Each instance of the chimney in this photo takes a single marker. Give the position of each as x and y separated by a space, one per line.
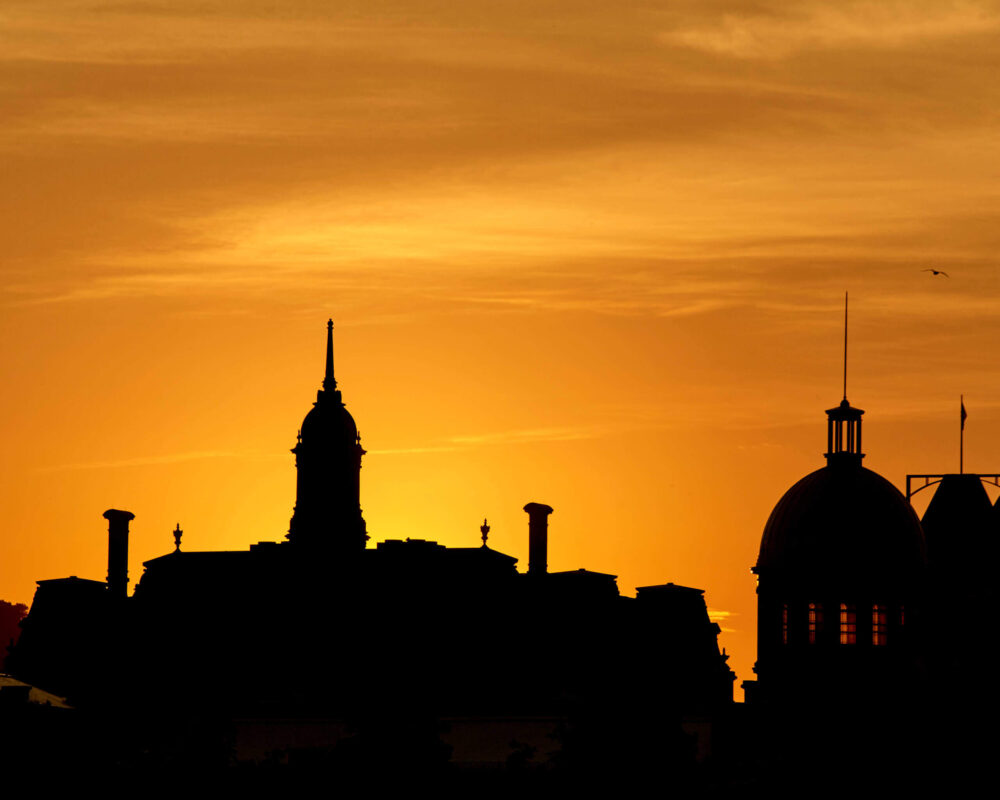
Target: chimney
538 537
118 551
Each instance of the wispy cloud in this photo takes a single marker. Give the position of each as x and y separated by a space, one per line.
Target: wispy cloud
470 441
394 451
532 435
146 461
784 29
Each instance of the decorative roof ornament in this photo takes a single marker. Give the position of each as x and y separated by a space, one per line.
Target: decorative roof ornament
329 382
485 530
843 427
177 538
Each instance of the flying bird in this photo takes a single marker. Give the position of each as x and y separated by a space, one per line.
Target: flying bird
936 272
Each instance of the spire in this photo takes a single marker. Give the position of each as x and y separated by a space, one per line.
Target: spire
328 455
961 434
845 346
329 382
843 426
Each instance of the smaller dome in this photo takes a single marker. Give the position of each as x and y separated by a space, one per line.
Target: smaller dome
328 420
843 522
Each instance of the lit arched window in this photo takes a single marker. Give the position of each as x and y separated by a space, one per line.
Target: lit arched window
815 621
784 624
879 624
848 624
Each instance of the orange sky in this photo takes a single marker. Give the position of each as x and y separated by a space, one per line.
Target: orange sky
580 253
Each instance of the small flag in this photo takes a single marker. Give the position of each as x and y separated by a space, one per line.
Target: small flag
964 415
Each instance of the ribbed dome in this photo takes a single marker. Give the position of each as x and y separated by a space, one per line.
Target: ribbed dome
843 521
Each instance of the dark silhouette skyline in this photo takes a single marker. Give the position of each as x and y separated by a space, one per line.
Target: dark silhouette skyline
367 644
656 241
320 652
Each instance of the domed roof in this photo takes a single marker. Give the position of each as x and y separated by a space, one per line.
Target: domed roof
843 521
329 419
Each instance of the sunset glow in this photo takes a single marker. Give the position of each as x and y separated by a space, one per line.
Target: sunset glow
586 254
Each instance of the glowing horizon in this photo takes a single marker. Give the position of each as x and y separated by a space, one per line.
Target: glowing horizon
585 256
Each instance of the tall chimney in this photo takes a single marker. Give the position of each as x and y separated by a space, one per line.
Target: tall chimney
118 551
538 537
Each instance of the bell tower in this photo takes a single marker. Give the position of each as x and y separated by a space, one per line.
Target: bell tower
328 453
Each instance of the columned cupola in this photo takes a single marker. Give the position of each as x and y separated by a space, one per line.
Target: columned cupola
839 583
843 435
328 462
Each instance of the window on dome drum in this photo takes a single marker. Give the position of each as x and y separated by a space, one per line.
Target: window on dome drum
784 624
902 616
848 624
815 621
879 624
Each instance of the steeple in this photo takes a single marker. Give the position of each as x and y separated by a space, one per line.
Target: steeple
328 462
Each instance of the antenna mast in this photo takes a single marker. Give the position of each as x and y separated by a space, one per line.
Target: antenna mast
845 345
961 434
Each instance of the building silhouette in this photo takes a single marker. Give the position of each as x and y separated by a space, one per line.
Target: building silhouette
327 516
874 658
872 654
406 647
841 578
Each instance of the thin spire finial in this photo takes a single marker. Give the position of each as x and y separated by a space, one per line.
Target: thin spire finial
329 382
845 345
961 434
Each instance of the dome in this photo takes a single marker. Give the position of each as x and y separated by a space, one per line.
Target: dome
329 419
843 521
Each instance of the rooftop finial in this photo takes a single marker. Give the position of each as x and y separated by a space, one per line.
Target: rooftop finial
845 345
843 426
329 382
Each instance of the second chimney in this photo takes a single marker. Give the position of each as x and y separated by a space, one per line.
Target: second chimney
538 537
118 551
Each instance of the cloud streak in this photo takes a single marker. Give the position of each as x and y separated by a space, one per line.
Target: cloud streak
720 617
150 461
783 30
